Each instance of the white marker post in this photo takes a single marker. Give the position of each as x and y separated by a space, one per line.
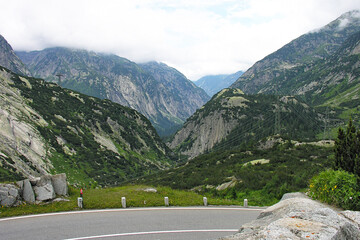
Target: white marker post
166 199
245 203
80 202
123 202
205 201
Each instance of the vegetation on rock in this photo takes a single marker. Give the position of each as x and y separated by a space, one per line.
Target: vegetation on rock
95 142
288 167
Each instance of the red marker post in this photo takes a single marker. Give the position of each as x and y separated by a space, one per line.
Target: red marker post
80 199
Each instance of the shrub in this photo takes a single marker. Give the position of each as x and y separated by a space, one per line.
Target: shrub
347 149
338 188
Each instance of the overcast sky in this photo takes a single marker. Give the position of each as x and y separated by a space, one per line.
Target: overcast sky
197 37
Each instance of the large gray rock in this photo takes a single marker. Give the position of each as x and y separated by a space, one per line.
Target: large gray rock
9 195
352 216
28 193
299 218
44 189
60 184
293 195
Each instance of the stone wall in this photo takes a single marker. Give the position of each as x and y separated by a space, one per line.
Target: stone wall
35 190
298 217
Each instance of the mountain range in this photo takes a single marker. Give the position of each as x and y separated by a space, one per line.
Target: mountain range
280 71
164 95
213 84
241 143
320 68
298 93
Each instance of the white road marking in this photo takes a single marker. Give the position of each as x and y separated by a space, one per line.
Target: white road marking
129 209
153 232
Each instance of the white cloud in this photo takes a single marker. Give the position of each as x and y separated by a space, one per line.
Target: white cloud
197 37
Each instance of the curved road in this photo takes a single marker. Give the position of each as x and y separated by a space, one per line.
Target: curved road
132 223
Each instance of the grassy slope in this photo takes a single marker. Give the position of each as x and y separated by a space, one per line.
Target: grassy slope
111 198
77 119
289 169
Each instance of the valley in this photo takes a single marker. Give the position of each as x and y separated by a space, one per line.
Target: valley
106 121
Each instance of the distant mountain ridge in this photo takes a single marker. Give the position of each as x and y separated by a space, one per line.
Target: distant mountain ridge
306 50
122 81
215 83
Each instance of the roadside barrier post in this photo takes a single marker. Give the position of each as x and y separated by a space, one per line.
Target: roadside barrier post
205 201
123 202
166 199
245 203
80 202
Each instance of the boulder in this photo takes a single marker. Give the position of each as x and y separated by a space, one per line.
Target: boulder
60 184
298 217
293 195
28 193
44 193
9 195
44 189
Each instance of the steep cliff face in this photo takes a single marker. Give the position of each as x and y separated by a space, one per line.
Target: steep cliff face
232 118
298 56
23 150
9 59
46 129
150 89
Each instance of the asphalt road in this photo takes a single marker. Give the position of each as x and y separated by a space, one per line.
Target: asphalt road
132 223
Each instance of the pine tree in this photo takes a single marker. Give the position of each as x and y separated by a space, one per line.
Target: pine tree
347 149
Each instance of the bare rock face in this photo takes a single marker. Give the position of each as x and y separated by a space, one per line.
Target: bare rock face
20 138
298 217
9 59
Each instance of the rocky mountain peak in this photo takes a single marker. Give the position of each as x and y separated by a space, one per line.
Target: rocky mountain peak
9 59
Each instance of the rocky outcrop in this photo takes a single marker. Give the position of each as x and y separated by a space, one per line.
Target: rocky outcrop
204 136
36 190
9 59
20 138
298 217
